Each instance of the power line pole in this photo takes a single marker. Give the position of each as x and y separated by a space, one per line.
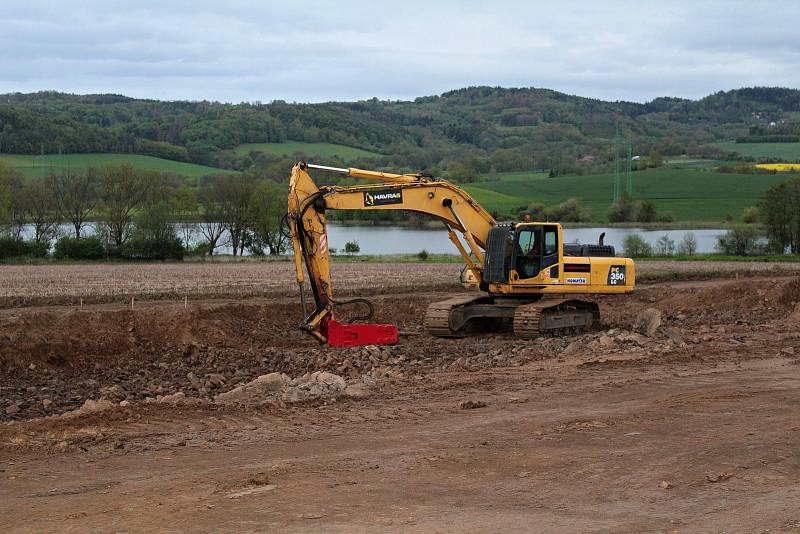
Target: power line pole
616 163
620 143
630 164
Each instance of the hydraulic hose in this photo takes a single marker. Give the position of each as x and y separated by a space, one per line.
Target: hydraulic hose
356 300
301 228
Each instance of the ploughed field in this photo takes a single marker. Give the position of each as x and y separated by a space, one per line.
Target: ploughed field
680 411
71 284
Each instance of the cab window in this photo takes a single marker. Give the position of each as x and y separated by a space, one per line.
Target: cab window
550 241
526 241
528 251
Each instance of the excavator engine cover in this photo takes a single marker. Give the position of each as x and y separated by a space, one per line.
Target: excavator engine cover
354 335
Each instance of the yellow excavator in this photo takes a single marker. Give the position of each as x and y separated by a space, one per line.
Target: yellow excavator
530 280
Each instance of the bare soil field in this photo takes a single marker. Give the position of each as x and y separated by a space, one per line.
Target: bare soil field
30 285
27 285
223 416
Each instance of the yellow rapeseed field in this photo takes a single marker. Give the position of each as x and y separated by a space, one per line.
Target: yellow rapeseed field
787 167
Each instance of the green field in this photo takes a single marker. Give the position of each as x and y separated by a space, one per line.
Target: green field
290 148
688 194
524 176
39 166
789 152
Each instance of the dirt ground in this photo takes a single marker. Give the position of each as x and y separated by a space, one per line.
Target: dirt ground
694 427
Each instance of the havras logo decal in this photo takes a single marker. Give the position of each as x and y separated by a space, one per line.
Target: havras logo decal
381 198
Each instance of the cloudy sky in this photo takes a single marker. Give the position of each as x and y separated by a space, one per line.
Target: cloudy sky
309 51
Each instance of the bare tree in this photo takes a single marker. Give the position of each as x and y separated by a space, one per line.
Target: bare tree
237 210
10 185
184 206
232 194
267 207
39 206
212 227
122 190
76 195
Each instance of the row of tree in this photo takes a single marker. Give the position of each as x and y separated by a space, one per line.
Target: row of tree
635 246
627 209
126 204
133 211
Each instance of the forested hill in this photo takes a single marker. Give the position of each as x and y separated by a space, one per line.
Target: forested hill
459 133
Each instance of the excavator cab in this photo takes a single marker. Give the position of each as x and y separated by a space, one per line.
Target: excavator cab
523 257
520 252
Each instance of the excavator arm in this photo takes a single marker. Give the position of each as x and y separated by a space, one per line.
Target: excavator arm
419 193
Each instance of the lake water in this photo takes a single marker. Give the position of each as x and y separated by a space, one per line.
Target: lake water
404 240
393 239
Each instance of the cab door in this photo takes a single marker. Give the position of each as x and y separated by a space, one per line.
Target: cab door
527 252
537 253
550 247
551 255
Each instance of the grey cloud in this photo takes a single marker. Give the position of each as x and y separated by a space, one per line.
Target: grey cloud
316 51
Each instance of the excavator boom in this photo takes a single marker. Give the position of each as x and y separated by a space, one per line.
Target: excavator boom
421 193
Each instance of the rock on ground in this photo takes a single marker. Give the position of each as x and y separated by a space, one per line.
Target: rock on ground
648 321
255 391
317 384
91 406
356 391
175 398
277 385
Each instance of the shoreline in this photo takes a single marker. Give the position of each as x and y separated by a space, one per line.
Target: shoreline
677 225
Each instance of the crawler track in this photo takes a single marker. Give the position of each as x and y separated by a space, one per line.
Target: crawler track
528 319
437 317
554 315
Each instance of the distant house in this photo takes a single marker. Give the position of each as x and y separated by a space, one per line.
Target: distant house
587 160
